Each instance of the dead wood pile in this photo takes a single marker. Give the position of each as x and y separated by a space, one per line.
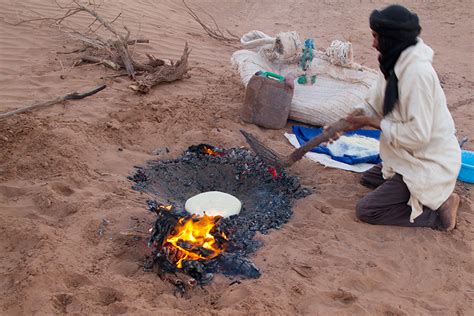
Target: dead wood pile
112 49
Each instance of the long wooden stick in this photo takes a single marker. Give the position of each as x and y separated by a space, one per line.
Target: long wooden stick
329 133
279 161
70 96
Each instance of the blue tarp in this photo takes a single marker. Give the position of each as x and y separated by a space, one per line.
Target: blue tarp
303 134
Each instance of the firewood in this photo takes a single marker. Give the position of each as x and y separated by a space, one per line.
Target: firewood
70 96
164 73
120 44
114 53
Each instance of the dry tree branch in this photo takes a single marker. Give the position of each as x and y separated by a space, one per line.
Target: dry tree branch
106 24
233 35
77 50
164 73
105 62
138 34
120 44
29 20
125 40
218 30
215 33
93 22
59 5
73 9
70 96
111 22
57 20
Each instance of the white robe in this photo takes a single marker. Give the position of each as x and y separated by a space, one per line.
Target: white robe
418 138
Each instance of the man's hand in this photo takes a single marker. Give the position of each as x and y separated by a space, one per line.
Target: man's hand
356 120
359 121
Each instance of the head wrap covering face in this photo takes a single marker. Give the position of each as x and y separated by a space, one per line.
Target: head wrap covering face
397 29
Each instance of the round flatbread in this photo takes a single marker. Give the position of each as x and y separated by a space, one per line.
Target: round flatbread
213 203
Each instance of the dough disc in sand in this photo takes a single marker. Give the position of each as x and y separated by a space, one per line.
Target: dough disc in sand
214 203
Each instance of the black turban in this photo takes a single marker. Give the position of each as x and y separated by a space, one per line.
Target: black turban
397 29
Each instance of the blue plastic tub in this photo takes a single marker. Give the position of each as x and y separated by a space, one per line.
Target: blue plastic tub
467 167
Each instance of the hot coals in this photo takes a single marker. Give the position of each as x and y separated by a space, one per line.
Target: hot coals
202 245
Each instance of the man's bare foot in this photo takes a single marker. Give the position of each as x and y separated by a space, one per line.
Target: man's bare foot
448 212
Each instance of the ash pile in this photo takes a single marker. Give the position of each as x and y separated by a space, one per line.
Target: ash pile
217 244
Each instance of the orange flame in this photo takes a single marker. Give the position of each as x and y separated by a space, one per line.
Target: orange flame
209 151
192 237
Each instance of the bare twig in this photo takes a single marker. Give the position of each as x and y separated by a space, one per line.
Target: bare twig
93 42
139 31
111 22
106 24
57 20
93 22
70 96
138 41
29 20
120 44
77 50
233 35
105 62
215 32
125 39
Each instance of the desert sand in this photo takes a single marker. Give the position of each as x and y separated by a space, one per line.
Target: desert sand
65 201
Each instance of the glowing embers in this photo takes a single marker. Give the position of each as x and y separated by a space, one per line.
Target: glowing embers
208 151
194 238
273 171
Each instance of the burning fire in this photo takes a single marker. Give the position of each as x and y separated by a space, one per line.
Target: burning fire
192 237
208 151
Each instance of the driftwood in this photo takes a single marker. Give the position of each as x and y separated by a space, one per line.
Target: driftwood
70 96
214 32
164 73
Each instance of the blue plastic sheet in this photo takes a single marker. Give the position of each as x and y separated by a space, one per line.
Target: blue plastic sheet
303 134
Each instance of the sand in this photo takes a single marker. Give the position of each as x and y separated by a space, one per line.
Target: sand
65 202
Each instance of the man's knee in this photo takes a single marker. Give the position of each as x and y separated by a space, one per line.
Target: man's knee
372 178
364 211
